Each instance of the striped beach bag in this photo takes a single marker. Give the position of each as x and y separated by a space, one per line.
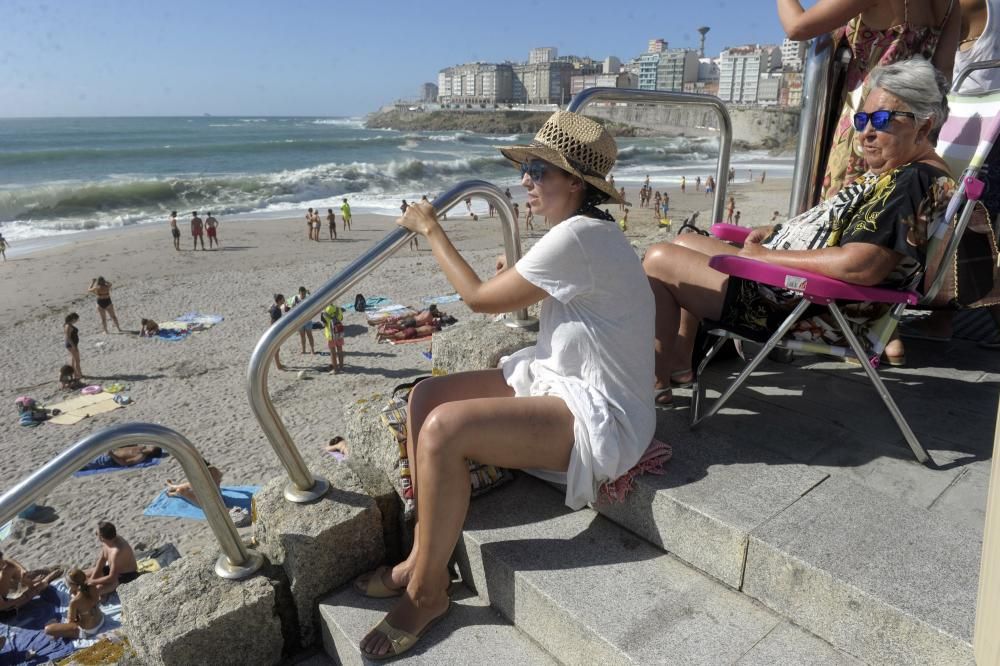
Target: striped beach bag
482 478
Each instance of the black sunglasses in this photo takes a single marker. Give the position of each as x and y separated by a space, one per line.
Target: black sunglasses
880 119
535 169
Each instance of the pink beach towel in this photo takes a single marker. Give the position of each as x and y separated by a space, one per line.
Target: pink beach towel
651 462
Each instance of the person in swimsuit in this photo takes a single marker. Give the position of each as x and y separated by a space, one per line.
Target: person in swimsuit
102 289
306 331
116 563
331 221
71 338
333 330
125 456
345 213
212 230
14 577
84 618
3 247
174 231
316 224
185 490
197 231
275 311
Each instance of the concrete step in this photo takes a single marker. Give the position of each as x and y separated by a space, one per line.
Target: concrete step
590 592
472 632
885 580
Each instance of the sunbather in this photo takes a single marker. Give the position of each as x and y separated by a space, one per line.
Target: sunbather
115 564
575 408
125 456
874 232
186 491
14 577
407 333
84 618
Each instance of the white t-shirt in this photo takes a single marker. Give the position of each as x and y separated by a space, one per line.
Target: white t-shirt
987 47
594 350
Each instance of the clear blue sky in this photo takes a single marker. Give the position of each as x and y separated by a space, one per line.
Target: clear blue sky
125 58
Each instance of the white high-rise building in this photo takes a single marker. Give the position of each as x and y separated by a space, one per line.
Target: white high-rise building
612 65
740 69
542 54
793 54
657 46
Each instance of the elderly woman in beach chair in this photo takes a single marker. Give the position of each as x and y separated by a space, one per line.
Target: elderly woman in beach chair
574 408
873 232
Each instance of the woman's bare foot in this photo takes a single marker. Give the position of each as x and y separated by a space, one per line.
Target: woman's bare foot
412 615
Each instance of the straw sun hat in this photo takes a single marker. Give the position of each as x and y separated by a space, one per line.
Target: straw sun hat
575 144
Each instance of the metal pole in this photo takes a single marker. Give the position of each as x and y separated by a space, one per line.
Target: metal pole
303 486
666 97
236 561
812 122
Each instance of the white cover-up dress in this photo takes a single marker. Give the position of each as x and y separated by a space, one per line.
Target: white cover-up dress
594 350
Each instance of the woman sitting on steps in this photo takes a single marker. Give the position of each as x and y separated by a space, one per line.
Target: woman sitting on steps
576 408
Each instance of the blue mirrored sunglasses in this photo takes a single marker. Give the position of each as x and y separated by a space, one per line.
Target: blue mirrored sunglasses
535 169
880 119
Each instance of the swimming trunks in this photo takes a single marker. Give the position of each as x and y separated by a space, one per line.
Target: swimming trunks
103 461
127 577
211 232
104 303
175 232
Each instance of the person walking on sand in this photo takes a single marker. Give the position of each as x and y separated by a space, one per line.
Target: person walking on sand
102 289
683 184
345 214
309 224
212 230
3 247
763 175
196 231
621 193
115 564
517 214
730 209
174 231
275 311
331 223
529 216
736 220
405 205
71 338
306 331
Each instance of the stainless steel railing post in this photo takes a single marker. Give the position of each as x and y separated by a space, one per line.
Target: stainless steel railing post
236 561
666 97
303 486
809 153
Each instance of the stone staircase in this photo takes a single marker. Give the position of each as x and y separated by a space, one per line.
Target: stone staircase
748 550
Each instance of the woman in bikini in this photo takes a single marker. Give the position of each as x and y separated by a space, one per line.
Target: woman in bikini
84 618
102 289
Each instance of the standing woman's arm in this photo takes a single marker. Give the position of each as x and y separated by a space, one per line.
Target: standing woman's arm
823 17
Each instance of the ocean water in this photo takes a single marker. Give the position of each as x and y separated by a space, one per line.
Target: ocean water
65 175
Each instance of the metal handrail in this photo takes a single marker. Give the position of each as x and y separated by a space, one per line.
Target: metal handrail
964 74
809 154
582 99
303 486
236 561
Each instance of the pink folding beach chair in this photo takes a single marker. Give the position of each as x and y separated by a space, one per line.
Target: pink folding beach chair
966 139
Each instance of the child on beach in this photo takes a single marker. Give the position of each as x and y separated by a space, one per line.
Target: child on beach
148 328
67 378
306 330
71 338
333 331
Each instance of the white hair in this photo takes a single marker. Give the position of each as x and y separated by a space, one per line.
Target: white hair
918 85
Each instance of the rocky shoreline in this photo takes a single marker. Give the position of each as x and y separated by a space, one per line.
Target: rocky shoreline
482 122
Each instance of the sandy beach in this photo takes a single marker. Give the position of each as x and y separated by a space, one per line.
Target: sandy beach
197 386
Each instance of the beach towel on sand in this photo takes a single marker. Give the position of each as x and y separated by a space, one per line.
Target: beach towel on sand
178 507
441 300
172 334
370 301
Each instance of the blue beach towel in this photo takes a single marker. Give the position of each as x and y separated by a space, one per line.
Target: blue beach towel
104 464
441 300
178 507
370 301
172 335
